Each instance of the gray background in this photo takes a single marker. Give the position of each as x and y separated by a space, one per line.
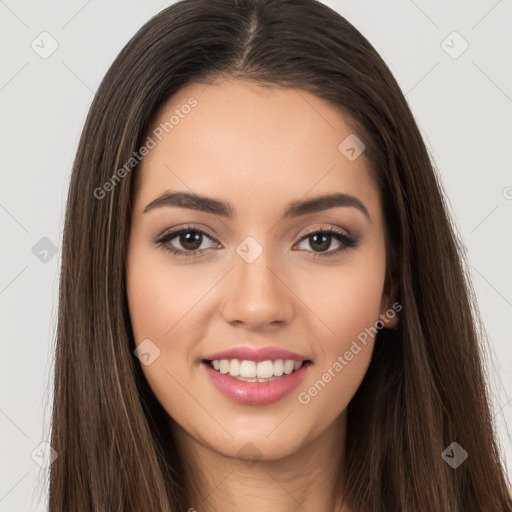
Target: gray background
462 105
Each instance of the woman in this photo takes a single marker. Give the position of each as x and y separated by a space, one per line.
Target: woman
263 304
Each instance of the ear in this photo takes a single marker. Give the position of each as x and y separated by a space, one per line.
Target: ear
389 313
389 308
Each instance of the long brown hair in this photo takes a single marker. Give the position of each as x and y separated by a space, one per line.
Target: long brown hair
425 387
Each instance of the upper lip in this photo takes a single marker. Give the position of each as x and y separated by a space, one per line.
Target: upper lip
256 354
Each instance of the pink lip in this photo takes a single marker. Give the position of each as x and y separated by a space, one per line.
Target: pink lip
255 393
260 354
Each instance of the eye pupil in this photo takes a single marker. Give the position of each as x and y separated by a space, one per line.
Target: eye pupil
324 238
185 239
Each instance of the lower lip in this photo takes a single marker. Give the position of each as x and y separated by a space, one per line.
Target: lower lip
255 393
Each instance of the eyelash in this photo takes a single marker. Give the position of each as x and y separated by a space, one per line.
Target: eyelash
347 241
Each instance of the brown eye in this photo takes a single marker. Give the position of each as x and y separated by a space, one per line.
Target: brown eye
188 240
321 239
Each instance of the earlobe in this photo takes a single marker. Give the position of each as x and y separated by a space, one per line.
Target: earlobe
389 309
389 313
389 317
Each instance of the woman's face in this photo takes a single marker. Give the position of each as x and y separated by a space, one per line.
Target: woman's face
255 269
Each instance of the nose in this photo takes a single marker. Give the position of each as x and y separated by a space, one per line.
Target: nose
258 296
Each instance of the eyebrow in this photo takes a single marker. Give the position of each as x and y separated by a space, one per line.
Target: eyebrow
293 209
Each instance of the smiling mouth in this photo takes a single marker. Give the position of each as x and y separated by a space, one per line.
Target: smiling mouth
252 371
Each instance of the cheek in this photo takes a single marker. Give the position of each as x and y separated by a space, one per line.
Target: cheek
148 296
354 307
349 305
348 300
159 295
161 304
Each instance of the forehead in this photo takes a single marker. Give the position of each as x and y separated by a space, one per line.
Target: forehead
252 145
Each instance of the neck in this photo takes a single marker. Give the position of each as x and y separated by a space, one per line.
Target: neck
308 479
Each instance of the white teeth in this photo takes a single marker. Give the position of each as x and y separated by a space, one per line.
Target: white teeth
234 367
224 366
256 370
288 367
265 370
278 367
247 369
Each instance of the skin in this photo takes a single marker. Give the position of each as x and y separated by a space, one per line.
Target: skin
258 149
